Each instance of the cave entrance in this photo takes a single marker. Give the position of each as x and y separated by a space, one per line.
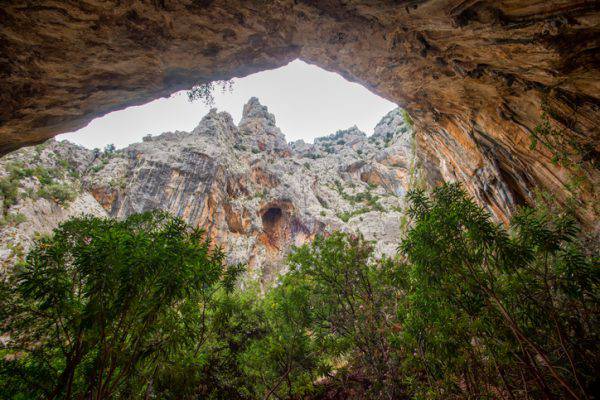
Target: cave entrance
271 218
306 101
273 226
275 219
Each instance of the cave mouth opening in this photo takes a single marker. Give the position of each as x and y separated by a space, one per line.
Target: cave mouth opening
271 219
297 94
274 221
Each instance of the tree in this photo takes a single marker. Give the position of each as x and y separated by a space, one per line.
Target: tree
329 317
491 312
101 305
109 149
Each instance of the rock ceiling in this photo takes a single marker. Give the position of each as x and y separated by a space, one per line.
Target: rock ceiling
474 75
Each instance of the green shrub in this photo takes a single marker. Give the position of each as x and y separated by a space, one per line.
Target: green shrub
313 156
60 193
469 309
513 301
45 175
322 314
17 170
346 215
110 307
407 119
109 150
12 219
9 190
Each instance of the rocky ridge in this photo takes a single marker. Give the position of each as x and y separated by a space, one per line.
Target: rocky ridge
254 193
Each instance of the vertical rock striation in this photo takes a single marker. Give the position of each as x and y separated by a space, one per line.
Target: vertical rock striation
475 75
255 194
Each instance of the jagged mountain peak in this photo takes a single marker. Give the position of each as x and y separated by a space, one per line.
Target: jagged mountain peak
253 109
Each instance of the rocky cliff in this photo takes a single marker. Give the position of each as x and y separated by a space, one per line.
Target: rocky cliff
477 76
254 193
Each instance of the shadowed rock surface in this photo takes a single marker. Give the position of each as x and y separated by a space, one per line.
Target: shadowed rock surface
475 75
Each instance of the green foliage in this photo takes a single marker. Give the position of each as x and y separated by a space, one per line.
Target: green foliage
325 318
103 308
328 148
370 201
523 304
97 168
407 119
214 368
61 193
12 219
468 310
9 185
565 150
312 156
9 191
346 215
109 150
204 91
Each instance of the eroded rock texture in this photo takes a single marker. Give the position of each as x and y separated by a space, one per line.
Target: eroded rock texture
255 194
475 75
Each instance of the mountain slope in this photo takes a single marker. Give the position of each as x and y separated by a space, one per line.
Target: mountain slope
254 193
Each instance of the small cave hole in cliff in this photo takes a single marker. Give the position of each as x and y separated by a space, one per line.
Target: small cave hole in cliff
273 221
271 218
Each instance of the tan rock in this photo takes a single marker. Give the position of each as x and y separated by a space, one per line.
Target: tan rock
474 75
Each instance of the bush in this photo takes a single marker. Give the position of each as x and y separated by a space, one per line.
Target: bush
109 150
107 307
519 307
12 219
407 119
468 310
9 190
61 193
324 320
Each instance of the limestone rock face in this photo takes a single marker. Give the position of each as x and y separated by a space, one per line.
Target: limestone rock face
46 190
255 195
475 76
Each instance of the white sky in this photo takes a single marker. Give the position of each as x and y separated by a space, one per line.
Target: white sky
306 100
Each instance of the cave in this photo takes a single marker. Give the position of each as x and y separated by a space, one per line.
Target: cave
466 72
274 226
271 218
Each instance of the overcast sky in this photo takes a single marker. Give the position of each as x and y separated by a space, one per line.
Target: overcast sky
307 102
